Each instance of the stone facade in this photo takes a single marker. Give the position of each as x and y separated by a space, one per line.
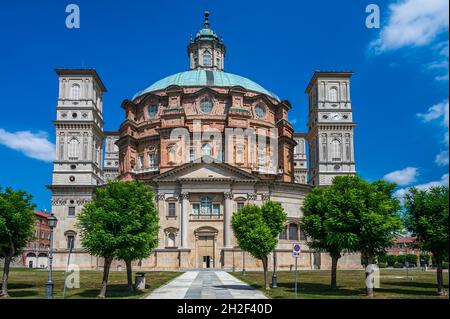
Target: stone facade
207 142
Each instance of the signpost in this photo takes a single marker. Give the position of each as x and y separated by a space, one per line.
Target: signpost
296 250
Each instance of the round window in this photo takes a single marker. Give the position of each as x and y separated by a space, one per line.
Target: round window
152 110
260 110
206 105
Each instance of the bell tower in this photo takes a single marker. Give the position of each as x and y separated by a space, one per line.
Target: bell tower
206 51
78 166
330 126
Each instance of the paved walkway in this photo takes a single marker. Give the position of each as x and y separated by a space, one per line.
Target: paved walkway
206 284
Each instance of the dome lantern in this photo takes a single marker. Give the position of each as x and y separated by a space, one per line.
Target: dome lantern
206 50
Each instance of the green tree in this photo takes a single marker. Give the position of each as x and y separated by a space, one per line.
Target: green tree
257 229
376 220
353 215
427 218
16 227
136 240
111 226
325 212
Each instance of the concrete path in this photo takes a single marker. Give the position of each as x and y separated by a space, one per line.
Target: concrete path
206 284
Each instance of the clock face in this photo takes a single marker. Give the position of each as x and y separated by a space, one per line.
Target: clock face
335 116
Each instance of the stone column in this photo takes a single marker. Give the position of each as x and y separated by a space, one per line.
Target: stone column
227 231
184 197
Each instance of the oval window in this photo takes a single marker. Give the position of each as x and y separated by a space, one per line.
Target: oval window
260 111
206 105
152 110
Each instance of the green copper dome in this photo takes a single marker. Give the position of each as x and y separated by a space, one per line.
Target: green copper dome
211 78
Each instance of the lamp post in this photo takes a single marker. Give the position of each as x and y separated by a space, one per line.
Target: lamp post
52 221
274 273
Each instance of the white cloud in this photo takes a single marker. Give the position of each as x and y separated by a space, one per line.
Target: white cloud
412 23
402 177
442 158
36 146
442 182
437 111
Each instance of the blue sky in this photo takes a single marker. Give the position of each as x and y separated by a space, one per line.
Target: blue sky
399 89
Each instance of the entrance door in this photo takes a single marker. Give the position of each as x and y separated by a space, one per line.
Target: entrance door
30 264
206 251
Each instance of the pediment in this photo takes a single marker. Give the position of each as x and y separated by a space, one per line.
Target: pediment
205 171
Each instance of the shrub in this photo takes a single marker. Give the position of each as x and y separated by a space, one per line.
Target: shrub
401 259
412 260
382 265
391 260
382 258
398 265
424 259
445 265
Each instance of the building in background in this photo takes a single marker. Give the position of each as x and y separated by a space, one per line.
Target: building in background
404 246
201 184
35 255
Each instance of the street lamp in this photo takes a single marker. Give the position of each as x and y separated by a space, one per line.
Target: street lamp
52 221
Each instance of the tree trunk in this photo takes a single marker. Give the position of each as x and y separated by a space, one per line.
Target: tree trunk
4 292
129 275
106 268
266 273
369 288
440 280
334 262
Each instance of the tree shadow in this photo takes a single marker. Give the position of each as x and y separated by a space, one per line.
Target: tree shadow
18 286
236 287
412 283
320 289
22 293
112 291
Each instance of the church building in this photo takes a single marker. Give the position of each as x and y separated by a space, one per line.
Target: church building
208 142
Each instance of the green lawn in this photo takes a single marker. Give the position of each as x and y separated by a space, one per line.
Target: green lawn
29 283
316 284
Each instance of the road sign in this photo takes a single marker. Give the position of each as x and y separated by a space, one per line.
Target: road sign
296 250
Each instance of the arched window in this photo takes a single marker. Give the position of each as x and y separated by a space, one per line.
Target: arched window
206 105
171 240
336 150
206 149
207 60
73 148
293 231
206 205
75 94
283 234
334 94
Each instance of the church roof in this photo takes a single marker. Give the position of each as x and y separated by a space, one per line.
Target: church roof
212 78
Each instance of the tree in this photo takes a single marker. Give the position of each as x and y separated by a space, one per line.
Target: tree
140 235
391 260
376 220
111 225
257 229
427 218
325 212
16 227
352 215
